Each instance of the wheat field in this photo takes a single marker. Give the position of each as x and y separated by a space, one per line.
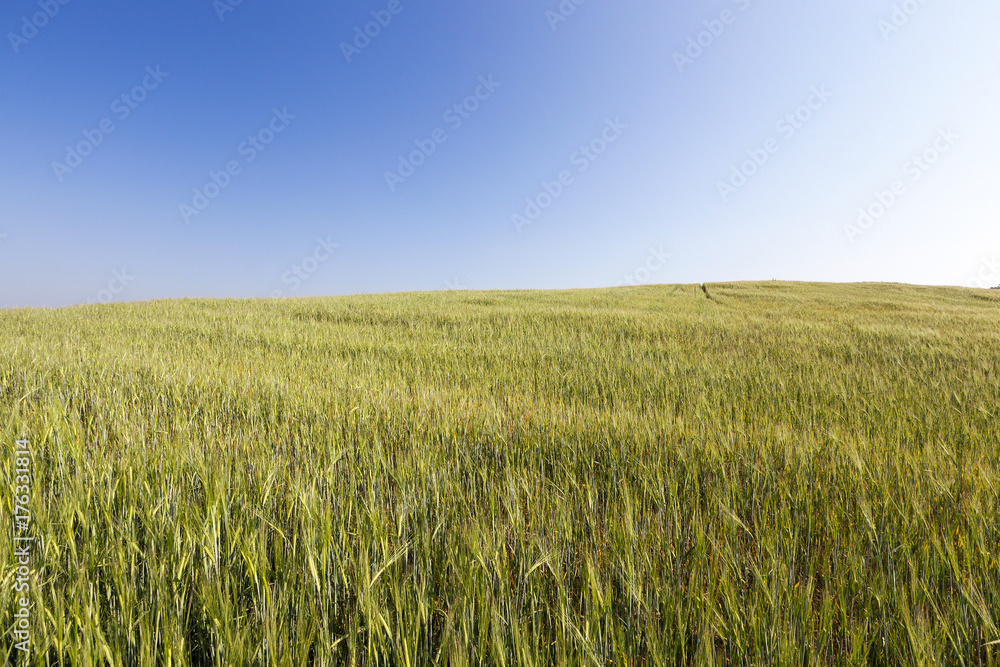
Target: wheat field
755 474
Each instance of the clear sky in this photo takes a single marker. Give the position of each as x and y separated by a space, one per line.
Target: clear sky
250 149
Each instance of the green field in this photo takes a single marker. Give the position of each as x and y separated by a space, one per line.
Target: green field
780 474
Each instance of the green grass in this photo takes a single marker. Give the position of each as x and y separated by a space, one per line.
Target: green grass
782 474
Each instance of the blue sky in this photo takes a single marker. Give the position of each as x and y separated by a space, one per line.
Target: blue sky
263 149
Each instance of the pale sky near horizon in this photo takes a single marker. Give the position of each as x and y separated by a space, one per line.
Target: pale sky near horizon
253 149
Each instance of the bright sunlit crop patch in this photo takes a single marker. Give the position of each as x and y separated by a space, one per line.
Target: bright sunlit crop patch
778 474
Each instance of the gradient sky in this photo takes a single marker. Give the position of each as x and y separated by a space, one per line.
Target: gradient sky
900 80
